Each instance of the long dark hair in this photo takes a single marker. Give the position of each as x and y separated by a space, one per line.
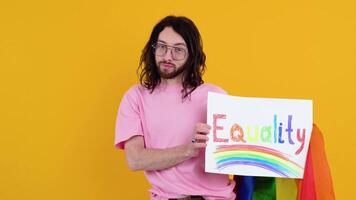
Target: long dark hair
194 66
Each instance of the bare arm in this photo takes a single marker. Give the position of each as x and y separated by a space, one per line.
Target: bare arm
141 158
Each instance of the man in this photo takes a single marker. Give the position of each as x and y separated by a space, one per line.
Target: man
161 123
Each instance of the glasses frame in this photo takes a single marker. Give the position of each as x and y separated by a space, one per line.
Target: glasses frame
154 46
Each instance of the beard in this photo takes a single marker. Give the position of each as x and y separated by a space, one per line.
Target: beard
169 74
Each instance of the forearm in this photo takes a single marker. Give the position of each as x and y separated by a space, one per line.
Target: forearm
159 159
141 158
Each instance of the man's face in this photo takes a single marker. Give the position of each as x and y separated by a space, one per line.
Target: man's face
171 54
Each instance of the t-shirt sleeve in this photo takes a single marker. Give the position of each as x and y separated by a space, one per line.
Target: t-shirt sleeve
128 121
217 89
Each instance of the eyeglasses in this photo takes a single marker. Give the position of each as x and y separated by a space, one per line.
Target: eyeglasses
178 53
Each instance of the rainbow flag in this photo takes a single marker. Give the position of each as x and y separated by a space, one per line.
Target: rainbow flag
315 185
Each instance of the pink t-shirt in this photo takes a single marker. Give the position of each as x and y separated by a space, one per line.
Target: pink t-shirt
164 120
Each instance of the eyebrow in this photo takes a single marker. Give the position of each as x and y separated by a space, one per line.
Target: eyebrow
176 44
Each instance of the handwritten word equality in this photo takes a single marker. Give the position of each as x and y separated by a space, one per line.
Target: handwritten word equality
263 134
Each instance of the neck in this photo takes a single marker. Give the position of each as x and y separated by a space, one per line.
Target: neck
172 81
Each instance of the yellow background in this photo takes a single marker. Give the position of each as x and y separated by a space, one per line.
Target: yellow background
64 66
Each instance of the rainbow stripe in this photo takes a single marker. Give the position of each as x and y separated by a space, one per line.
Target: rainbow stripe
258 156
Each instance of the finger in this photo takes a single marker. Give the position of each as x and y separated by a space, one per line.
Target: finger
199 145
205 129
200 137
203 125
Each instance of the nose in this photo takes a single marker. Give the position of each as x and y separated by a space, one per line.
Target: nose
168 55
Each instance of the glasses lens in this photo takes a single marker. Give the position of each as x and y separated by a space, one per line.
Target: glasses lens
178 53
161 49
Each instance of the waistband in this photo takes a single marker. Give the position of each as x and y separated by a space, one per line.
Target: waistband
190 198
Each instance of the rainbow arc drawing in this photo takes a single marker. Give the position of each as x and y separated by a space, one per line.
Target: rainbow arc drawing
258 156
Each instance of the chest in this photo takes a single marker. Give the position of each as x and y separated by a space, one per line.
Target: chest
169 121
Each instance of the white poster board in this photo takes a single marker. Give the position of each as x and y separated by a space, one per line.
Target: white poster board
258 136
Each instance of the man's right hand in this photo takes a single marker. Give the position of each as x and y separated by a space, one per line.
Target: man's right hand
200 138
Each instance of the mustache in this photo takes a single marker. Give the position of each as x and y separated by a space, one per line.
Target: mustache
165 62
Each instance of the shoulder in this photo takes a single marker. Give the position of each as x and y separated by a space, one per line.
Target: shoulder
134 93
209 87
135 90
